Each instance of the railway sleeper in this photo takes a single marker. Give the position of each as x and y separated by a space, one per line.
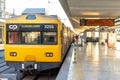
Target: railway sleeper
4 68
2 64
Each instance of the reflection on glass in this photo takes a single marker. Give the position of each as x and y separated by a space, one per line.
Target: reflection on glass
13 37
95 52
49 37
30 37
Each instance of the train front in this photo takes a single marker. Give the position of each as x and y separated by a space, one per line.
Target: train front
32 42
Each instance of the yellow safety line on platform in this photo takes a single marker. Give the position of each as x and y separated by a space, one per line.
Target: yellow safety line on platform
74 61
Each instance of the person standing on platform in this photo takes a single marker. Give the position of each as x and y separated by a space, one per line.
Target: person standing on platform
76 37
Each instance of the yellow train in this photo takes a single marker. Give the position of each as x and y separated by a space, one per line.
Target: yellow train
35 41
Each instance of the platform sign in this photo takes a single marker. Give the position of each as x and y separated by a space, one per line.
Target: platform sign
98 22
82 22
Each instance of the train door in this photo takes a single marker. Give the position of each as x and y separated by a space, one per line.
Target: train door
62 41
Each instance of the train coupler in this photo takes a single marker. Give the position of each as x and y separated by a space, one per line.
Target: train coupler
29 66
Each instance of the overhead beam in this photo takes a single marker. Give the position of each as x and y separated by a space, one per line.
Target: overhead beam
65 7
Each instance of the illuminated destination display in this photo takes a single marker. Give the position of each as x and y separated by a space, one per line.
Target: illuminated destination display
97 22
29 27
49 27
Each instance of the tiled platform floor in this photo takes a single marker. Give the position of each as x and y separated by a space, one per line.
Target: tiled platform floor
95 62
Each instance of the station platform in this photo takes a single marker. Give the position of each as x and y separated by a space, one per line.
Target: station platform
93 62
1 46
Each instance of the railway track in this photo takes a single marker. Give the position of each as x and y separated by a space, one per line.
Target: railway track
11 74
5 71
30 77
3 66
45 75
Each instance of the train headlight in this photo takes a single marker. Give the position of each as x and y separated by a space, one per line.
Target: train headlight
49 54
13 54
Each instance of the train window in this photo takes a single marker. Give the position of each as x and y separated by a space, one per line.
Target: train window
13 37
49 37
30 37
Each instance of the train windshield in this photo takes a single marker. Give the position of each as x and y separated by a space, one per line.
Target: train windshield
49 37
31 35
13 37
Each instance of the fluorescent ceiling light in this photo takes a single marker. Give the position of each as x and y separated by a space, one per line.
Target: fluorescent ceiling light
75 20
90 13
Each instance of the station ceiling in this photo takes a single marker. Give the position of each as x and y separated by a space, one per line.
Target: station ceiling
90 9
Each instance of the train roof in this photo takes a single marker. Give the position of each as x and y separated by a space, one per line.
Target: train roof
38 19
34 11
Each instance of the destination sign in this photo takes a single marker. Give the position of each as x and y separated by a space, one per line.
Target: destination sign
31 27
